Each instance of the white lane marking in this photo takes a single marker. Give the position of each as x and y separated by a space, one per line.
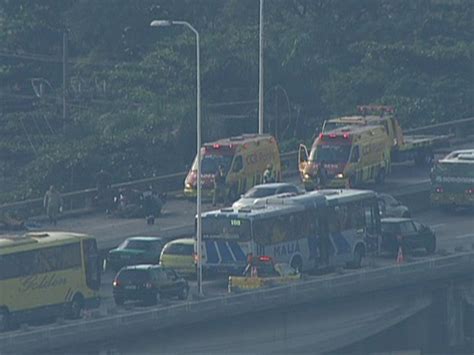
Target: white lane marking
437 226
465 236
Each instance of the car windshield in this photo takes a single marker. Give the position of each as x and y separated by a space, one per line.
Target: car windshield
261 191
133 276
390 227
210 163
331 154
135 244
179 249
332 125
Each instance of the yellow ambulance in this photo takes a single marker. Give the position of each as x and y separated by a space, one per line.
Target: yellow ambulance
352 155
244 159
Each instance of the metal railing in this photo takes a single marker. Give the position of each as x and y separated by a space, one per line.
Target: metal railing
106 326
82 200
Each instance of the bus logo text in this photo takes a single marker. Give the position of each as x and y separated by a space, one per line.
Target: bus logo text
38 282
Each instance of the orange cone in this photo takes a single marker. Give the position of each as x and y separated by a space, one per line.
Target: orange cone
400 258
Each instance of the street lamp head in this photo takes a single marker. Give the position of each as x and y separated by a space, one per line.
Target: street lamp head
161 23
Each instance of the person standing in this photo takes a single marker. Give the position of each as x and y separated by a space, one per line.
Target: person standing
219 186
53 204
268 175
322 175
104 190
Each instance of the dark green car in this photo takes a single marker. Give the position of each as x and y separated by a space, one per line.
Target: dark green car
134 251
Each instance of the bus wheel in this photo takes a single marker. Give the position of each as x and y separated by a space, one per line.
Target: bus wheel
297 264
75 307
357 259
4 320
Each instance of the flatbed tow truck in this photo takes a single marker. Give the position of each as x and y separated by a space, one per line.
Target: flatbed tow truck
419 148
262 272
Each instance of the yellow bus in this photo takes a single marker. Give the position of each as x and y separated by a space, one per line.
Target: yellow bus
46 275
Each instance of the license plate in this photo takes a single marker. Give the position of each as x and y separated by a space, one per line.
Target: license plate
130 287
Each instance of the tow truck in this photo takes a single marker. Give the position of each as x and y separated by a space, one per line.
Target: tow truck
419 148
262 272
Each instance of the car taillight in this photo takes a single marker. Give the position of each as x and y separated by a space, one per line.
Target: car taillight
148 285
470 191
439 190
265 258
116 283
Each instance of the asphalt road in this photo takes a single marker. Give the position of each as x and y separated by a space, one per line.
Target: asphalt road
178 214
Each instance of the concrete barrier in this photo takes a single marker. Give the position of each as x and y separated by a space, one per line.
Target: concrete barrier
364 281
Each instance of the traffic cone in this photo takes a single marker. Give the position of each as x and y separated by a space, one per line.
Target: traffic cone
400 258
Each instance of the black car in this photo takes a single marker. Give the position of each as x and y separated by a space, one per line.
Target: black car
148 283
134 251
408 234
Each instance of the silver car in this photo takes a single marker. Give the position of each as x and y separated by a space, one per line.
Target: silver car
259 192
389 206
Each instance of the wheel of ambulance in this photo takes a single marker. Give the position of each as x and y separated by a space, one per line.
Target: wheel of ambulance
380 179
352 181
119 301
4 320
74 309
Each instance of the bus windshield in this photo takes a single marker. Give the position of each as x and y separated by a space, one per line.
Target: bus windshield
331 154
332 125
226 227
210 163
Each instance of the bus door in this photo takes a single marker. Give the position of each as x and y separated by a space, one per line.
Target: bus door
343 234
371 233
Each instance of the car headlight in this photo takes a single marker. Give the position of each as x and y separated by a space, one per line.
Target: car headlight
307 176
189 186
340 176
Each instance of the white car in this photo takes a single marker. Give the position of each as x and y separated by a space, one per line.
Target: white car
258 192
389 206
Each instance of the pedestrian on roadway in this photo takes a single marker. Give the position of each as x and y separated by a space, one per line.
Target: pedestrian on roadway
219 186
53 203
268 175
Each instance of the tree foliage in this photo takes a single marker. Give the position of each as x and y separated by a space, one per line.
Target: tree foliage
131 88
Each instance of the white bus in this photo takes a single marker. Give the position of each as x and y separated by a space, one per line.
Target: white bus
317 229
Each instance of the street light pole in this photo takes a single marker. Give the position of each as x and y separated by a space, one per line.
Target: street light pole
165 23
260 66
65 58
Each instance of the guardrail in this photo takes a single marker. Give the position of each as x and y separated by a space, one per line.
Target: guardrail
102 327
81 201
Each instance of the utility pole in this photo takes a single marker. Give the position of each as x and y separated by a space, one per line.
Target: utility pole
260 81
65 57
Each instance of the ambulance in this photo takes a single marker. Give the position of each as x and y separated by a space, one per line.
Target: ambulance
352 155
244 159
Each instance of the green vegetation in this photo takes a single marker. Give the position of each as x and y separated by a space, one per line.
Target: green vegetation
131 88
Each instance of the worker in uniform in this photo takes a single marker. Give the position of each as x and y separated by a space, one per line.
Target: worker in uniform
268 175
